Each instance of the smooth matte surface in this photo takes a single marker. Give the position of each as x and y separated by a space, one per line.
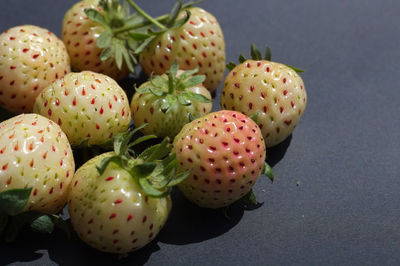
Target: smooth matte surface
335 199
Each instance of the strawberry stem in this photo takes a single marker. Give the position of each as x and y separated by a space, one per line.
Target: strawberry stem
140 25
146 16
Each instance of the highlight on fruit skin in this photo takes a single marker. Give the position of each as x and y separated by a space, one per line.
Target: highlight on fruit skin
90 107
225 152
169 101
274 91
35 153
119 201
32 58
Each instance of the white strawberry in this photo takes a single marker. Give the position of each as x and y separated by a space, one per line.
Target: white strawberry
35 153
118 203
31 59
89 107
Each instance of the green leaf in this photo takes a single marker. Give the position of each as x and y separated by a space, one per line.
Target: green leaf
230 66
255 53
182 100
3 221
42 224
143 170
267 54
242 58
194 81
13 201
196 97
267 170
96 16
105 39
106 161
106 53
298 70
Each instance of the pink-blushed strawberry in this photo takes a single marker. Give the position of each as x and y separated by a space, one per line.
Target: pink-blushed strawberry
35 153
90 107
197 43
225 152
167 102
119 203
273 90
31 59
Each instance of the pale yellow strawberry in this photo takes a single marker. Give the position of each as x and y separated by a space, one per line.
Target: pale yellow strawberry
31 58
35 153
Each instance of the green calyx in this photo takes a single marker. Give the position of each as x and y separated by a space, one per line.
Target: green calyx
127 34
155 170
174 88
13 219
255 54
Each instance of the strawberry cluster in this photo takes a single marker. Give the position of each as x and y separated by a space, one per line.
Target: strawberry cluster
119 199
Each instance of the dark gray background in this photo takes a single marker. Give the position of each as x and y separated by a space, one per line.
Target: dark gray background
335 199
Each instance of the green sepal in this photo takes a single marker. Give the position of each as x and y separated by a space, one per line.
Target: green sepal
142 139
188 73
178 178
267 170
118 47
106 161
174 13
230 66
197 97
179 23
174 69
298 70
182 100
191 3
61 224
42 224
250 202
156 152
267 53
106 53
104 39
255 53
191 117
13 201
143 170
144 44
150 190
96 16
254 117
195 80
242 58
